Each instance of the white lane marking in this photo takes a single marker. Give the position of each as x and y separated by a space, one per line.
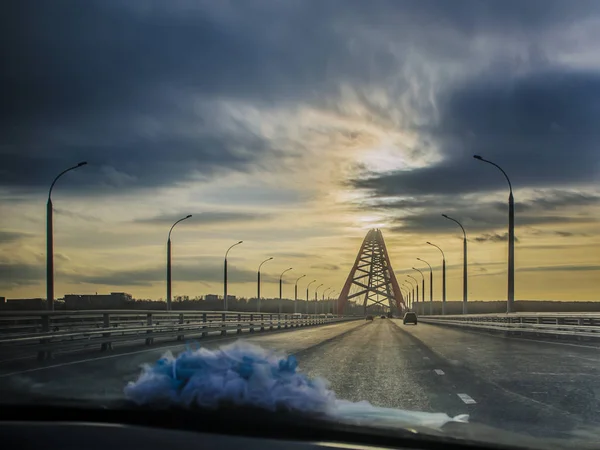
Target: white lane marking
439 371
466 399
426 357
561 374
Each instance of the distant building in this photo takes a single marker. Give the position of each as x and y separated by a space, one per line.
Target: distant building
215 297
23 304
95 301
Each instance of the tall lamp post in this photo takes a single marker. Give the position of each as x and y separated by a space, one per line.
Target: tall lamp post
50 241
307 299
280 287
333 301
317 298
324 305
422 290
169 261
296 294
415 297
258 282
510 302
407 295
443 277
225 276
430 286
464 261
409 289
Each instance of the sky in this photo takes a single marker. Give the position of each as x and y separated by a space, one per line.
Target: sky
296 126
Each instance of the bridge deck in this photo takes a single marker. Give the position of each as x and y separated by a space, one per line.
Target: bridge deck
535 387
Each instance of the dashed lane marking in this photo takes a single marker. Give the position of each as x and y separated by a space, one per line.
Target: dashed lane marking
439 371
466 399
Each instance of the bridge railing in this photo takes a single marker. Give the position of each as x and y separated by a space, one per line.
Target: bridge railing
580 325
46 331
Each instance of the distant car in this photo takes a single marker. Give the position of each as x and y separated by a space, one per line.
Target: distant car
383 317
369 317
410 317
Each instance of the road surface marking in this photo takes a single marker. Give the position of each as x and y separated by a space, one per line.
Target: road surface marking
439 371
426 357
466 399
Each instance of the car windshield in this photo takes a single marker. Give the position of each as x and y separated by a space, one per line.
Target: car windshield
291 184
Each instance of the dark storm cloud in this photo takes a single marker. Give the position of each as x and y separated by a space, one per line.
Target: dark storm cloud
208 217
559 200
20 274
493 237
114 82
477 221
206 273
12 236
541 128
300 255
569 268
78 77
325 267
423 214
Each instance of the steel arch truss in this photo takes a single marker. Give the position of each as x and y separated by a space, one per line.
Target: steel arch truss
372 277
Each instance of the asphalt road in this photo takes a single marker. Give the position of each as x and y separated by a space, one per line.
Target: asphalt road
536 388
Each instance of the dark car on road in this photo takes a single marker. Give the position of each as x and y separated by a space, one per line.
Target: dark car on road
369 317
410 317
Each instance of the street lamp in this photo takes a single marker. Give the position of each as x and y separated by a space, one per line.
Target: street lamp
169 262
333 300
258 282
464 261
430 286
317 298
296 294
280 283
412 293
323 307
50 241
407 295
410 289
415 298
422 290
510 302
225 276
443 277
307 302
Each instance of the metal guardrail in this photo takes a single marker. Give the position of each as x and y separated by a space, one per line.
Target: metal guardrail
43 332
578 325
